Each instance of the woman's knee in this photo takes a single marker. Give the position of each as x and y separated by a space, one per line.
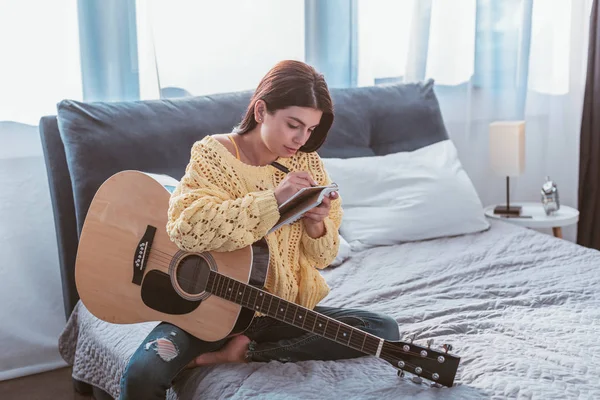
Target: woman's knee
385 327
391 328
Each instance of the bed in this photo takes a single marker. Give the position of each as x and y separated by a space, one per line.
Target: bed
519 307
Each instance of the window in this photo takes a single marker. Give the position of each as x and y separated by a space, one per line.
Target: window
40 58
217 46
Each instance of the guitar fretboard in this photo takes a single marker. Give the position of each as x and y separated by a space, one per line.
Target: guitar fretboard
293 314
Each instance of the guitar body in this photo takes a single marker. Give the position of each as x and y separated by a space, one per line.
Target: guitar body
129 271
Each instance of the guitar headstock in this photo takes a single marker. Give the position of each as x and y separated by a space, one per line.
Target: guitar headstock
438 366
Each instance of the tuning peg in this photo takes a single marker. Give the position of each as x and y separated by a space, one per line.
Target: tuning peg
412 337
429 343
447 347
401 373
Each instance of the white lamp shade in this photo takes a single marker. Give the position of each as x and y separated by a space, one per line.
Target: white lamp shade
507 147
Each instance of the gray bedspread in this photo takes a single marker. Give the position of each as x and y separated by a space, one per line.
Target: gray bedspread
521 308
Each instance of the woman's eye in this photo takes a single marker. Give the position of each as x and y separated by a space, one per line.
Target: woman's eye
292 126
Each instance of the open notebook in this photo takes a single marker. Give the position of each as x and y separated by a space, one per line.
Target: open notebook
305 199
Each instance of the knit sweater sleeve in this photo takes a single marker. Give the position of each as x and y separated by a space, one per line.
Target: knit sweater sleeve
322 251
203 216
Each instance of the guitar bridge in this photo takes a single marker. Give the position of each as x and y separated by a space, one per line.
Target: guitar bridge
140 257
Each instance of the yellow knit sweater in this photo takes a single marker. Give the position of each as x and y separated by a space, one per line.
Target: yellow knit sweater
223 204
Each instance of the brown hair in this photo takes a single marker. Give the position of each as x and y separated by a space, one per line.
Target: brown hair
293 83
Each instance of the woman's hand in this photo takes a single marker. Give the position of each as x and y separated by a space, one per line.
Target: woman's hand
313 219
291 184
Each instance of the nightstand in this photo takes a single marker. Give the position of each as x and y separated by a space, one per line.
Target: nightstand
533 216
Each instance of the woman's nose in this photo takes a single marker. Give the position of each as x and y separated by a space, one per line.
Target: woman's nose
302 138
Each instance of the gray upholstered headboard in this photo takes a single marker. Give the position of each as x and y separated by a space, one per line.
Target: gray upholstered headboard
88 142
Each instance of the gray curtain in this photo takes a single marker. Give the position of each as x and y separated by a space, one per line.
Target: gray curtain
588 232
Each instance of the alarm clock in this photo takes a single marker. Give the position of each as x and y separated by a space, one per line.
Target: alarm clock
550 199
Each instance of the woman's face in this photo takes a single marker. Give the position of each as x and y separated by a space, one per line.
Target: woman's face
288 129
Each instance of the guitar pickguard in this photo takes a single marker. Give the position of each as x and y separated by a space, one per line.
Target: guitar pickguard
158 293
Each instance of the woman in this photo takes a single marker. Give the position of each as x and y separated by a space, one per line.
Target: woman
228 199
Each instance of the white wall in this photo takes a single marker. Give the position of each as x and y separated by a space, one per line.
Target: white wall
30 290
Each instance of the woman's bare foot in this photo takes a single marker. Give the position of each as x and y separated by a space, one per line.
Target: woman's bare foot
233 352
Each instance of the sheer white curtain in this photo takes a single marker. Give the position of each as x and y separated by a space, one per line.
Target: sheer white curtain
39 67
491 60
198 48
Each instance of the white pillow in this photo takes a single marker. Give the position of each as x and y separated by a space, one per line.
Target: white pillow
406 196
344 252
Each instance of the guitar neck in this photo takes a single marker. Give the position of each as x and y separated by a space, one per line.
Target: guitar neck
293 314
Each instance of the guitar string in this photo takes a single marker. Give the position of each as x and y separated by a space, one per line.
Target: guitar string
163 259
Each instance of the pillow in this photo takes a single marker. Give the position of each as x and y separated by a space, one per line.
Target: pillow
167 181
406 196
343 254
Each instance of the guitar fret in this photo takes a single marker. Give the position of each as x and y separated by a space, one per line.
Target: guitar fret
356 339
234 291
222 285
233 295
269 312
230 290
373 345
253 297
362 347
328 334
249 297
244 296
215 284
217 291
368 345
260 294
240 294
224 288
286 310
333 329
295 312
321 319
304 317
293 308
314 324
308 319
346 333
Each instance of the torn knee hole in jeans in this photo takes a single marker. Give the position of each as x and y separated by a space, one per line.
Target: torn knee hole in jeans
251 348
165 348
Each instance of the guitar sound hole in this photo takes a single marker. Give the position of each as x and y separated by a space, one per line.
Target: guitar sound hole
192 274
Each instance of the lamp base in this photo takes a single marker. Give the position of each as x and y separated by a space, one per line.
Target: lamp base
510 210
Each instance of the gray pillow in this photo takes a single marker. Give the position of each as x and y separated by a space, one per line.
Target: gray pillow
156 136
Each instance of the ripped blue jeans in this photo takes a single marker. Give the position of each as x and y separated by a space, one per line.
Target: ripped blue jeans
167 350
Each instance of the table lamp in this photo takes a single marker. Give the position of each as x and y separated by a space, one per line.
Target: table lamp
507 157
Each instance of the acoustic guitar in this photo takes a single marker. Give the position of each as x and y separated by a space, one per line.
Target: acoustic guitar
129 271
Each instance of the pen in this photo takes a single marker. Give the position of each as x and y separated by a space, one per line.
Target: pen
283 169
280 167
